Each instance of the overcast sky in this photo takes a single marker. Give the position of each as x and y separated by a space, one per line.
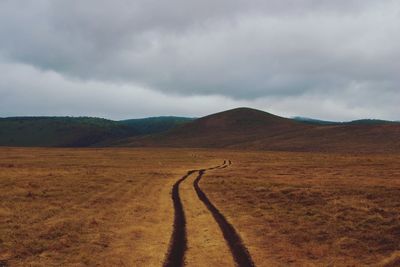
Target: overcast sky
337 60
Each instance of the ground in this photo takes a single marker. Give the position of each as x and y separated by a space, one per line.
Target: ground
309 209
113 207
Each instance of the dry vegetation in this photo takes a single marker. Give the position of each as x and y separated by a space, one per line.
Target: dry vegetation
308 209
77 207
112 207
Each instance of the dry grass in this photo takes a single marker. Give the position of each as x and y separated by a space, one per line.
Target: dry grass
112 207
206 245
308 209
77 207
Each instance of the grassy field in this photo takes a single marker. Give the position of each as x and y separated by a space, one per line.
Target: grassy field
77 207
308 209
112 207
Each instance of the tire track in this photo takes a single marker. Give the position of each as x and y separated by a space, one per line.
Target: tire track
178 243
239 251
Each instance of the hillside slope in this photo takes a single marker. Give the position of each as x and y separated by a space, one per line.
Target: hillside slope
78 131
224 129
240 128
245 128
155 125
357 122
59 131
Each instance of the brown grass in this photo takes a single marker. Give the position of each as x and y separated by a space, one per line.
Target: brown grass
86 207
308 209
112 207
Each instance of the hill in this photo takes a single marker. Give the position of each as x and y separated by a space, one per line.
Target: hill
314 121
224 129
58 131
78 131
241 128
355 122
154 125
245 128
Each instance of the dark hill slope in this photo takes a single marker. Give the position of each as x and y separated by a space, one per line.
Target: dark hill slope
356 122
154 125
338 138
245 128
78 131
58 131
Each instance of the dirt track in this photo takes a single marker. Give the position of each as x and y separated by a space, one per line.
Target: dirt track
178 240
201 233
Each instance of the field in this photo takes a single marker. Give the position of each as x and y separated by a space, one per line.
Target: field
113 207
88 207
313 209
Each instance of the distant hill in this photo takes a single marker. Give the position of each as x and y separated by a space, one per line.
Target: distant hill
154 125
314 121
241 128
371 122
355 122
245 128
77 131
224 129
59 131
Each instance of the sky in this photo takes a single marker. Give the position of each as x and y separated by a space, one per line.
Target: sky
120 59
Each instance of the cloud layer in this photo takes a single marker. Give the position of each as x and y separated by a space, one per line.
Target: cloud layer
118 59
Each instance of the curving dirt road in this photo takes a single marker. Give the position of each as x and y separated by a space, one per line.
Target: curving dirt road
202 236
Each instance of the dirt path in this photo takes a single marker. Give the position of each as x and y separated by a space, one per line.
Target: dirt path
178 243
206 244
201 235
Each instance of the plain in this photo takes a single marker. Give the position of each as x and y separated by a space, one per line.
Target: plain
112 207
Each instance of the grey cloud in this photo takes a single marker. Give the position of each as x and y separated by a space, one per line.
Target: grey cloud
242 51
37 92
41 93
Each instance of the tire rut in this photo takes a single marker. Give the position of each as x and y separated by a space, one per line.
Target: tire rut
178 243
239 251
